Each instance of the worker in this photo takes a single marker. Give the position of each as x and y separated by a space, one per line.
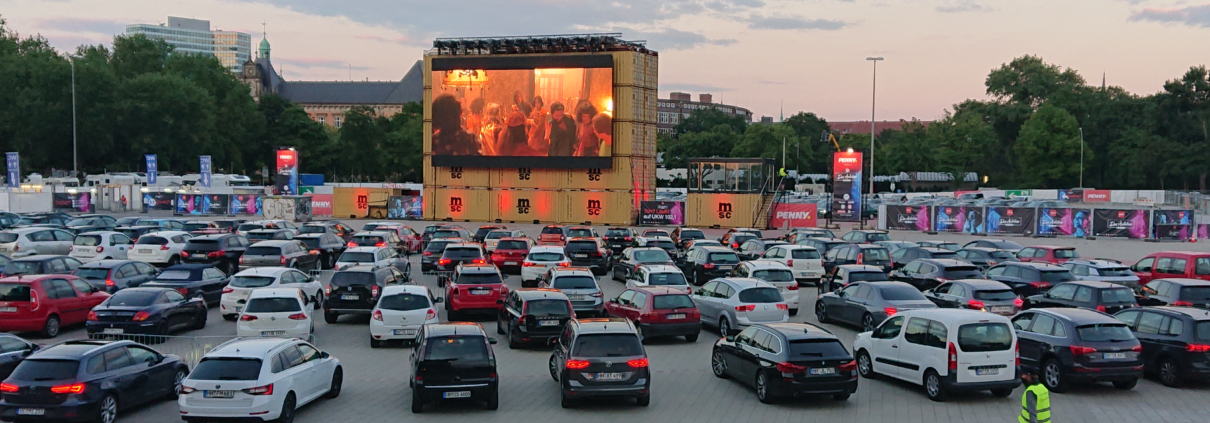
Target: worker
124 203
1035 401
782 172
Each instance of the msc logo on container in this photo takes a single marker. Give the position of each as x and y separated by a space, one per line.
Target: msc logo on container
724 210
524 173
523 206
363 201
456 173
594 207
594 174
455 204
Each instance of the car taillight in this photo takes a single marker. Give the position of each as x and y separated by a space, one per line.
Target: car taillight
847 367
259 390
708 266
748 307
793 287
576 364
92 316
734 245
782 306
351 244
1039 284
187 390
790 368
1197 348
1017 352
975 305
443 261
629 238
183 291
247 318
184 254
314 252
427 253
430 315
1078 350
100 249
953 357
1019 302
228 290
109 282
8 387
478 261
380 244
164 247
77 388
790 263
1101 308
141 316
564 264
33 300
241 259
1182 303
638 362
528 264
298 316
377 315
374 291
890 311
217 254
1137 348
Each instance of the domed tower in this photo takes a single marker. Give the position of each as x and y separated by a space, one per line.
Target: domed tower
264 48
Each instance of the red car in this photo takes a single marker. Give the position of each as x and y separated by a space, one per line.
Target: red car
1173 264
658 311
510 252
553 235
1047 254
474 288
410 238
45 303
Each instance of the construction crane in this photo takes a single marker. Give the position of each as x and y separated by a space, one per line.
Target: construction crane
826 136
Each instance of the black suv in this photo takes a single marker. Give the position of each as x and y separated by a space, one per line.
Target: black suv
903 256
600 358
589 252
329 246
984 257
704 263
925 274
223 251
1175 341
1071 345
865 236
867 254
83 380
355 290
456 254
1104 297
784 359
454 360
1029 278
620 239
533 315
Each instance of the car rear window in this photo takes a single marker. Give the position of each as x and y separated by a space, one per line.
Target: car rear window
250 227
580 233
995 295
692 235
877 236
39 370
669 302
447 234
655 232
263 251
437 246
480 279
982 337
14 292
805 349
1196 294
1003 255
1117 296
879 254
867 276
1067 253
226 369
723 258
251 281
616 232
510 245
456 348
128 298
497 234
547 308
652 256
273 305
7 237
368 240
804 254
201 244
1057 276
357 257
152 240
463 253
22 267
607 345
91 273
961 272
481 232
742 238
774 275
312 229
87 240
352 279
575 282
552 230
1104 332
404 302
1202 331
949 246
1115 271
312 243
901 293
665 279
545 256
760 295
944 254
582 245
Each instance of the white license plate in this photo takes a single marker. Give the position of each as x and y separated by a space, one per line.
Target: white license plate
986 372
8 309
824 371
724 268
350 297
113 330
272 332
218 394
611 376
580 255
405 332
480 291
677 316
456 394
144 251
31 411
548 323
575 297
1002 309
1114 356
510 263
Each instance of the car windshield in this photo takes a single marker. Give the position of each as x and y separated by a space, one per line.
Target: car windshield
607 345
1002 255
312 243
313 229
273 305
996 295
352 279
877 236
901 293
1008 245
742 238
480 279
867 276
692 235
774 275
1117 296
357 257
547 308
87 240
724 258
1115 271
651 256
961 272
510 245
827 348
983 337
223 368
880 254
545 256
575 282
263 251
1057 276
804 254
1194 294
7 237
497 234
666 279
760 295
404 302
129 298
1202 331
944 254
251 281
456 348
1104 332
174 275
152 240
24 267
1066 253
92 272
669 302
14 292
40 370
577 233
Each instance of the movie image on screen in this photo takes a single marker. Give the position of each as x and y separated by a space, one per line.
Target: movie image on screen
538 117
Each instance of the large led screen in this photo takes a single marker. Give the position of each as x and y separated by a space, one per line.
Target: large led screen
523 112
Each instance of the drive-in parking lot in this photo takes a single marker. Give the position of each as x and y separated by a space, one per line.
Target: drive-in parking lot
683 388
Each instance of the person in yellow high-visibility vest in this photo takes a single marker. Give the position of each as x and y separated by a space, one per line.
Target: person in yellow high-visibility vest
1035 401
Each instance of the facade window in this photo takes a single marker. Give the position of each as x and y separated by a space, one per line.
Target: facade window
663 117
675 120
337 121
322 120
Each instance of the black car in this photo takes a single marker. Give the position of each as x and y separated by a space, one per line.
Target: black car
113 275
1028 279
984 257
1176 342
589 252
755 248
456 254
13 351
1104 297
332 227
257 235
146 311
998 244
704 263
78 381
433 252
682 236
841 276
736 239
863 236
867 304
903 256
427 235
454 360
192 281
867 254
1178 292
787 359
660 242
279 253
481 233
89 224
1071 346
222 251
936 243
327 245
40 265
600 358
928 273
533 316
619 239
823 245
632 258
355 290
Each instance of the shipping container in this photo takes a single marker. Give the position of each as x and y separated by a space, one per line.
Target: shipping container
726 210
430 173
354 203
461 204
617 178
427 132
633 104
531 178
633 138
428 107
428 205
524 206
310 179
461 177
597 207
428 73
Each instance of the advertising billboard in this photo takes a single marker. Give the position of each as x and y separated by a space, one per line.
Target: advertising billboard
1010 220
13 160
286 182
1173 225
1068 222
523 111
1121 223
245 204
662 213
158 201
321 204
795 215
404 207
958 219
908 218
73 202
1096 196
846 186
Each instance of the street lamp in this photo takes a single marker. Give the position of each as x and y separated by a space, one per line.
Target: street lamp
873 102
75 161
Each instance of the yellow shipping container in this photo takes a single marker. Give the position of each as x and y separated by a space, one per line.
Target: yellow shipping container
428 105
428 205
596 207
634 104
430 173
461 177
727 210
461 204
617 178
428 74
354 203
427 132
524 206
532 178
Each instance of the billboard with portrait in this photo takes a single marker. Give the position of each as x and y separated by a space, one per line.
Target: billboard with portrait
523 111
286 182
1173 225
1010 220
245 204
405 207
1121 223
1065 222
958 219
907 218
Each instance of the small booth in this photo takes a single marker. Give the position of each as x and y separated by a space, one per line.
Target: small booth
727 192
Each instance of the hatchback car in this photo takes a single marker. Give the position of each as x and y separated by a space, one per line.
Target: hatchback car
21 242
327 246
776 274
755 248
1072 345
539 260
591 253
936 243
659 275
984 258
661 242
473 288
458 254
1100 296
619 239
293 254
432 252
588 362
842 276
93 246
732 304
257 235
113 275
45 303
193 281
159 248
1176 342
799 234
1103 271
282 312
866 236
868 254
339 229
222 251
1047 254
454 361
553 235
357 289
926 274
976 294
823 245
703 264
734 240
146 311
1178 292
384 238
903 256
533 315
492 239
374 256
1029 278
236 294
682 236
658 311
400 312
40 265
868 304
786 359
632 258
481 234
804 261
581 288
510 252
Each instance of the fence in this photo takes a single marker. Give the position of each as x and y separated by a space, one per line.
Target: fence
191 349
1153 224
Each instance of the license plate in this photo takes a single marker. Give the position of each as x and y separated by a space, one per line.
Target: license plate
113 330
8 309
239 309
349 297
404 332
986 372
510 263
31 411
610 376
272 332
480 291
548 323
724 268
575 297
677 316
824 371
1003 309
580 255
615 245
218 394
456 394
1115 356
144 251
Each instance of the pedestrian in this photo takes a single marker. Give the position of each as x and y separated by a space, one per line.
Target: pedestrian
124 202
1035 401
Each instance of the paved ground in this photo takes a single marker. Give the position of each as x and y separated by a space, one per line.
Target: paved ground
684 389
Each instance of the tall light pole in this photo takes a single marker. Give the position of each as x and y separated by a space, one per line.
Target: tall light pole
873 104
1081 157
75 161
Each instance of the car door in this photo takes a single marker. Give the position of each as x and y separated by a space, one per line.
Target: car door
131 379
1143 268
317 381
295 376
884 343
740 363
144 272
916 349
1027 341
63 241
939 295
846 300
704 299
1149 340
159 373
1059 296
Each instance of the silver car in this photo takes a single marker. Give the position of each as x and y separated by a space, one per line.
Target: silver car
976 294
23 242
732 304
1103 271
580 286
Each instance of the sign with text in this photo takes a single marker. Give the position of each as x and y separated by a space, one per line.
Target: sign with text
1096 196
958 219
796 215
153 167
13 160
287 172
846 186
1010 220
908 218
1069 222
158 201
1121 223
245 204
203 171
662 213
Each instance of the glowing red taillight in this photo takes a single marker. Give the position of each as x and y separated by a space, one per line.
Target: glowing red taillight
260 390
638 363
298 316
577 364
247 318
77 388
377 315
953 357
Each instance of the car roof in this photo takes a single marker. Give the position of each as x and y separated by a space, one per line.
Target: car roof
827 240
1195 313
106 264
604 325
272 243
1180 253
211 237
263 271
983 249
1188 282
572 270
168 233
75 349
266 231
948 262
364 249
361 268
453 329
274 292
111 233
32 278
982 283
869 231
1094 284
463 245
189 267
796 331
1079 315
766 264
540 293
1097 263
404 289
661 268
745 283
37 258
1034 264
1050 247
938 241
146 289
861 268
26 229
657 238
248 347
582 238
660 290
371 233
546 249
716 248
954 315
869 246
477 268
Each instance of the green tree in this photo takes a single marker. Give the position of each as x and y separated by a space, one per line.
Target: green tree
405 144
362 138
768 141
287 124
703 120
1049 148
134 55
238 138
164 114
907 150
961 143
717 142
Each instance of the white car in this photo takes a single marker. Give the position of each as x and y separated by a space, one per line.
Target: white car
401 311
803 260
101 245
538 261
281 312
24 242
947 350
492 238
160 248
235 295
266 378
659 275
775 274
374 256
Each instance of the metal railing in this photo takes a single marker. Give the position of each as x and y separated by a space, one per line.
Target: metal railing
191 349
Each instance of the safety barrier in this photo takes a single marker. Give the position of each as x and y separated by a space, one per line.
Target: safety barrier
191 349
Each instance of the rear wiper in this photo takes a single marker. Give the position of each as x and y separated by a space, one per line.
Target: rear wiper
812 354
617 355
441 360
43 379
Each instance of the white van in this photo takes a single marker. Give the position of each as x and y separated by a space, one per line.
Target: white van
804 260
946 350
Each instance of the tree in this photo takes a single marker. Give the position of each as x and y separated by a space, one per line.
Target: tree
238 137
1186 121
1049 148
702 120
287 124
717 142
362 138
962 142
767 141
134 55
1028 80
908 150
164 114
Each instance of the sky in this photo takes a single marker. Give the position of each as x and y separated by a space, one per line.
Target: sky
765 55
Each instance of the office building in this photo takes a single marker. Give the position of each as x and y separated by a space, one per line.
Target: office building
193 36
680 105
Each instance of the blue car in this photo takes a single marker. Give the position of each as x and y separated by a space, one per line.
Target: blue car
146 311
192 281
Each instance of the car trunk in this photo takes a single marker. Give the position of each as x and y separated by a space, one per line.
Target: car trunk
510 256
404 310
16 300
219 382
455 360
205 250
545 316
117 314
352 289
262 256
1196 296
456 256
269 321
986 353
605 360
1106 346
818 361
672 308
37 378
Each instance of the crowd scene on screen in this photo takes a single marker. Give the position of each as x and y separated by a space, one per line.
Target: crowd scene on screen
527 127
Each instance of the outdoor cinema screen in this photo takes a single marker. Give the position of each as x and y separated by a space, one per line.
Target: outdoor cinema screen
550 111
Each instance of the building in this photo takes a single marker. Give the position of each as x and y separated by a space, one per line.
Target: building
327 101
680 105
863 126
193 36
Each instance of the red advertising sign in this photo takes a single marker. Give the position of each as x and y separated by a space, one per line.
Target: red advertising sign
800 215
321 204
1096 196
846 186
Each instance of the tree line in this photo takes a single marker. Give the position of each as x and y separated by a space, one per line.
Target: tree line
1026 135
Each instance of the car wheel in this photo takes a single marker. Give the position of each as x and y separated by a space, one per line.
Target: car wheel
493 400
1053 377
177 382
200 321
330 317
821 312
867 323
1002 393
107 412
564 401
718 365
1126 384
331 261
230 317
287 409
644 400
374 343
513 343
865 366
174 260
691 338
319 300
933 386
417 403
762 388
338 378
499 326
554 368
1170 373
50 329
724 327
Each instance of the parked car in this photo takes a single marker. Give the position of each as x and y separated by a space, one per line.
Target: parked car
135 232
458 254
928 273
587 362
1178 292
90 224
432 252
1072 345
454 360
203 227
903 256
774 273
755 248
984 258
280 311
236 294
681 236
400 313
266 377
842 276
357 289
703 264
410 239
659 242
146 311
799 234
533 316
510 252
735 303
591 253
339 229
1047 254
786 359
632 258
823 245
976 294
327 246
193 281
492 239
23 242
867 304
1175 342
1161 265
159 248
427 235
82 380
538 261
700 243
245 227
481 234
944 245
291 253
805 262
947 351
1103 271
1100 296
375 256
45 303
222 251
659 275
113 275
553 235
998 244
166 224
386 239
257 235
40 265
581 288
473 288
620 239
734 240
894 246
870 254
14 350
863 236
658 311
656 233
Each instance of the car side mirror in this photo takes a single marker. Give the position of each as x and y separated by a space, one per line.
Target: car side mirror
324 354
730 338
439 300
613 300
492 341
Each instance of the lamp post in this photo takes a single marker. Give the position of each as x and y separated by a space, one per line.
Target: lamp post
873 103
1081 157
75 161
